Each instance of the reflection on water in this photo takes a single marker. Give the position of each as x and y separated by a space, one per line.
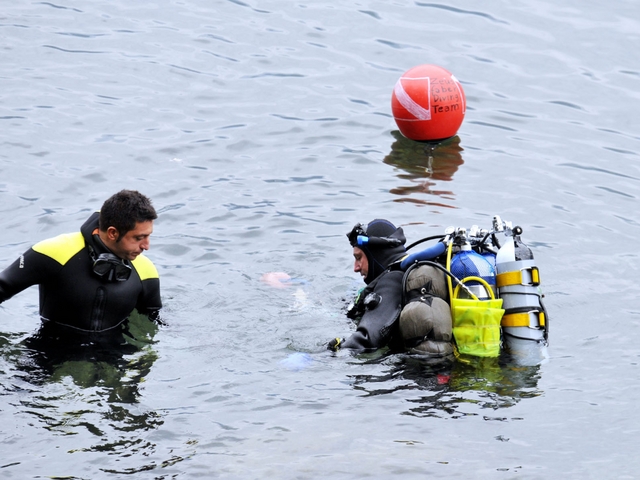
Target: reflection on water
425 164
83 384
456 388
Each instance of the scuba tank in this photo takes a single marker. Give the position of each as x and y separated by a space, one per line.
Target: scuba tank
497 256
468 263
524 324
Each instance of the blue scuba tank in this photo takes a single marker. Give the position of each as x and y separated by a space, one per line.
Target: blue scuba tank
491 257
468 263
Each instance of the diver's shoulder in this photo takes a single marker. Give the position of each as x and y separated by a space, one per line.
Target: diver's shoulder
61 248
145 267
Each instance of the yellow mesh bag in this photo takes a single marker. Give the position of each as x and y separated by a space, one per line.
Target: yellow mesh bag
476 323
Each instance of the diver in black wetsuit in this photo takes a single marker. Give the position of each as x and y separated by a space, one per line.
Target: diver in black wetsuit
91 281
378 305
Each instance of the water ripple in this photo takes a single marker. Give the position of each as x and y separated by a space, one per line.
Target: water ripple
617 192
463 12
566 104
61 7
597 169
75 51
493 125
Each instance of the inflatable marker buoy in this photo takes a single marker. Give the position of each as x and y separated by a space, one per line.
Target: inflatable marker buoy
428 103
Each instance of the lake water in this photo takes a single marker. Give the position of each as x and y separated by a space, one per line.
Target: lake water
262 130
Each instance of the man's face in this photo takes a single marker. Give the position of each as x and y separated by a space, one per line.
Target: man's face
133 243
361 263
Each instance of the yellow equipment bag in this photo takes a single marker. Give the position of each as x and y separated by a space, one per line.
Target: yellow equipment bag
476 323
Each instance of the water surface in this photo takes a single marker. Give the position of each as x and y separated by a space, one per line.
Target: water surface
263 132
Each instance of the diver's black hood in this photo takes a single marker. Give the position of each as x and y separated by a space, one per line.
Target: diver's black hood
379 256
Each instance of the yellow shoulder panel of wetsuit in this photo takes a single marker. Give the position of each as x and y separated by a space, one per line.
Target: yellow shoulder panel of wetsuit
145 268
62 247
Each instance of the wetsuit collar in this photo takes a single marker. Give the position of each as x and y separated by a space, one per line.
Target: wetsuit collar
88 228
105 263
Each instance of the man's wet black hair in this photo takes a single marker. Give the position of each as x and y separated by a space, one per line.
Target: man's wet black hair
124 210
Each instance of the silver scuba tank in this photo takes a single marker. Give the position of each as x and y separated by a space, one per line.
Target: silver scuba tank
524 323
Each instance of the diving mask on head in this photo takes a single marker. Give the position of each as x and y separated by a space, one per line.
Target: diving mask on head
358 237
356 232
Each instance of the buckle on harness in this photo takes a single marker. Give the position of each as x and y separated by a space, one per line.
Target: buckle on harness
517 277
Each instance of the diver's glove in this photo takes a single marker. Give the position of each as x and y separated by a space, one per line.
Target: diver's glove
154 316
335 344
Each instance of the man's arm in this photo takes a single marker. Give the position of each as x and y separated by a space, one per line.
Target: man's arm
382 311
149 302
29 269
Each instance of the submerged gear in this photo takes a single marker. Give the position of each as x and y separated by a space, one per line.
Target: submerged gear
381 242
71 294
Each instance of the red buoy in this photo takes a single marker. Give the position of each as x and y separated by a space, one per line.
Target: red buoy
428 103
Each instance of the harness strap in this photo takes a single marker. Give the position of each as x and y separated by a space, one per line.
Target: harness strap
533 319
517 277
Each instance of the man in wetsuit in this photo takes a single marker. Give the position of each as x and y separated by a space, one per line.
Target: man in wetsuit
378 305
91 280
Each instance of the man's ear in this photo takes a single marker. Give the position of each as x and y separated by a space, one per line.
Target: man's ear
113 234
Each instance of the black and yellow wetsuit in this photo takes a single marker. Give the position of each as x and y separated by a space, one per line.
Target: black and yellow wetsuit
70 293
